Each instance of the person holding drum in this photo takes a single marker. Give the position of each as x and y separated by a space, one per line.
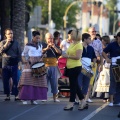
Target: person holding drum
88 56
52 52
74 66
114 50
33 84
97 45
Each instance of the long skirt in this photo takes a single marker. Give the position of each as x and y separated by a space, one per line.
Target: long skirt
30 87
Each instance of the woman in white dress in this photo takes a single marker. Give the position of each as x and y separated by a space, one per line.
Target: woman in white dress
32 88
103 84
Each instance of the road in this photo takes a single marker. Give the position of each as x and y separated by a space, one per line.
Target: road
49 110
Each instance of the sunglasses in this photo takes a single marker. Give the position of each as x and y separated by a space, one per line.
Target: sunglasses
93 31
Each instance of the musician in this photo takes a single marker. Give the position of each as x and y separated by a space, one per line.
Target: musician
53 52
114 50
87 55
32 88
11 55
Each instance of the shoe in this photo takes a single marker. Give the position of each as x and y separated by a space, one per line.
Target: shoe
89 101
119 115
44 100
82 107
24 102
110 104
34 102
17 99
68 108
118 104
56 100
7 99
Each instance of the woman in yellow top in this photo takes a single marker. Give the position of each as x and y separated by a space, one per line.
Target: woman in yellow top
74 66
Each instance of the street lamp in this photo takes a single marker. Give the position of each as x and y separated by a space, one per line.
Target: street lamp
65 17
49 13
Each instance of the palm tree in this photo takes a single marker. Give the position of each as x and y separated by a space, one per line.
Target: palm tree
18 20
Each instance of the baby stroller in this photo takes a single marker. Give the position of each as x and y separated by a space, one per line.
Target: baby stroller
63 82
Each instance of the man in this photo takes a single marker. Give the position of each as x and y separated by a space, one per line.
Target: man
114 50
52 51
87 55
97 45
11 55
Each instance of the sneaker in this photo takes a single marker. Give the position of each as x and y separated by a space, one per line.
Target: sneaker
24 102
44 100
56 100
110 104
118 104
89 101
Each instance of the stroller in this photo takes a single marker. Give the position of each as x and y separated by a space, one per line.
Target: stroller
63 82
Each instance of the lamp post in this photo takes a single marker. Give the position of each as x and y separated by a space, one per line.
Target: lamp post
101 17
51 27
65 17
49 13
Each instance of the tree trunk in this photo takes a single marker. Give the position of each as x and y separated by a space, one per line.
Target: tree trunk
18 21
4 16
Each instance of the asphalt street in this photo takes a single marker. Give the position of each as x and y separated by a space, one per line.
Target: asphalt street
50 110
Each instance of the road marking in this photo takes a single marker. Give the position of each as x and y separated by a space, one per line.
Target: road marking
95 112
13 118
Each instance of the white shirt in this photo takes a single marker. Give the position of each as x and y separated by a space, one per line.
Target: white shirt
32 51
65 45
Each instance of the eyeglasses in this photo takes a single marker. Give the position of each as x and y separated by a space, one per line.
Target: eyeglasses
93 31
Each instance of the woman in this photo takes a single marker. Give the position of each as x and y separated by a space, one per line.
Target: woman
74 66
103 84
32 88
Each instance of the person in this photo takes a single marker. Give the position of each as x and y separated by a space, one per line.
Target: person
66 43
74 66
30 87
103 82
64 46
114 50
11 56
97 45
52 52
62 63
88 56
57 39
98 36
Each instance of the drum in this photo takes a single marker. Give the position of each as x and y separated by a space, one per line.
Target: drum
87 71
38 69
116 73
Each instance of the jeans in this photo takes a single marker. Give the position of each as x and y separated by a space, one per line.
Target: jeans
7 73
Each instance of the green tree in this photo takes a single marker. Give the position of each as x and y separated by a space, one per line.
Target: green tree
111 5
58 10
4 16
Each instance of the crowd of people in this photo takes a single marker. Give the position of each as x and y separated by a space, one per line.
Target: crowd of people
40 59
